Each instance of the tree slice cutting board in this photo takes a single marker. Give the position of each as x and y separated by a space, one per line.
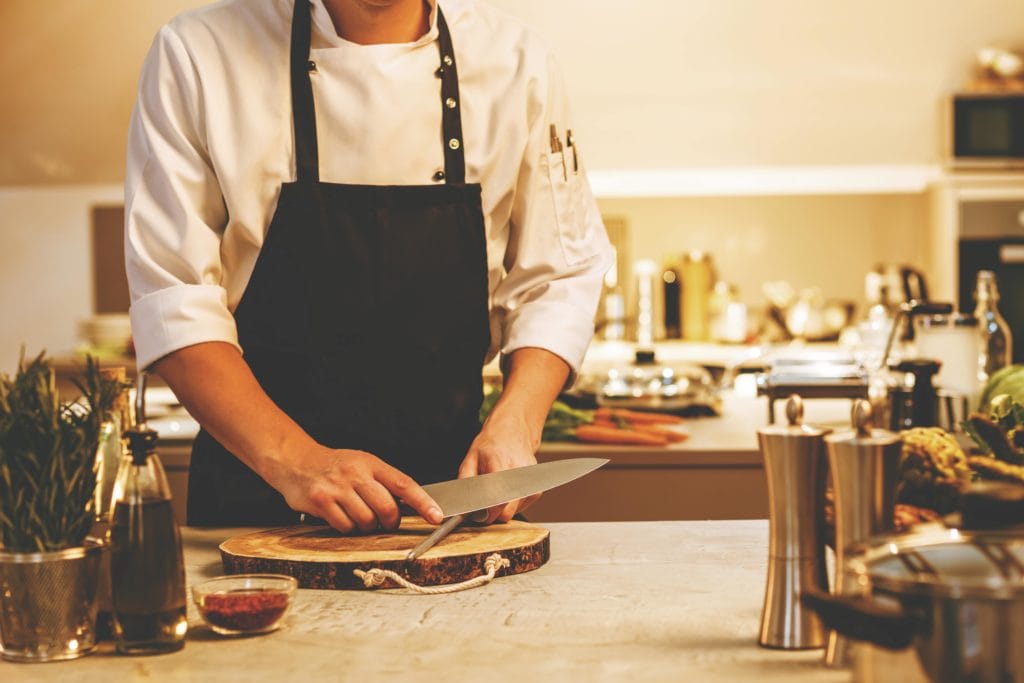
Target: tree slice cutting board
320 557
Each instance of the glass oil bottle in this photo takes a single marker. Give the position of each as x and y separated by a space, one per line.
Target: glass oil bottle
110 453
147 570
996 338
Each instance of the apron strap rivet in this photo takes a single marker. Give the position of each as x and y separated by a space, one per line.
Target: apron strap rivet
438 176
311 65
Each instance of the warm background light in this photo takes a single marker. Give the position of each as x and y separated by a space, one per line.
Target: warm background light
656 85
68 72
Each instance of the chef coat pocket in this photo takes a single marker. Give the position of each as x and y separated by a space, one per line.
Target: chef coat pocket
567 196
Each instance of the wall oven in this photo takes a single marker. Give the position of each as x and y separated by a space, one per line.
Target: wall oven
992 238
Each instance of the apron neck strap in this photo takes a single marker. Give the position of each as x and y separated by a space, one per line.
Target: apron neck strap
451 106
307 162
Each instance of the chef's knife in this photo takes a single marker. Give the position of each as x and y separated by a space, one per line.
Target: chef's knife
460 497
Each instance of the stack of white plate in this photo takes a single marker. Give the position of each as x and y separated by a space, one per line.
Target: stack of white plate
106 332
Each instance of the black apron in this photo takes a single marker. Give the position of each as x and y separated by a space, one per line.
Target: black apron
366 316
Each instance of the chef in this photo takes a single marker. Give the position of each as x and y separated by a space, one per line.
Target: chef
336 212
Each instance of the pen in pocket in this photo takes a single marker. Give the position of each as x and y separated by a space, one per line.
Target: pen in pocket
556 146
570 141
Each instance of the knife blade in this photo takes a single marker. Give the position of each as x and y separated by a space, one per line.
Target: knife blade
460 497
483 491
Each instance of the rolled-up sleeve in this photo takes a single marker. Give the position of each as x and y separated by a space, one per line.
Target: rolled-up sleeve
174 212
558 249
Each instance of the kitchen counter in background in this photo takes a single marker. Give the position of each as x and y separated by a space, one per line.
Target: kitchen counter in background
617 601
715 474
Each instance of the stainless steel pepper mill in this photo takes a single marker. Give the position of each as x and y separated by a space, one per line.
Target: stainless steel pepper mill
865 471
795 465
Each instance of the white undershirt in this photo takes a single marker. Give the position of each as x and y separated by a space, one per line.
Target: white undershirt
211 143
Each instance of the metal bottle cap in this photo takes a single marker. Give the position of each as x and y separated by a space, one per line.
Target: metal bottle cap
987 288
141 438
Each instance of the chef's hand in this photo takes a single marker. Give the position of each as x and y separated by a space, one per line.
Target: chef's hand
511 435
501 445
351 490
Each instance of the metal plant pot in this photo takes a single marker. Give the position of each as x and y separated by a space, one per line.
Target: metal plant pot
48 603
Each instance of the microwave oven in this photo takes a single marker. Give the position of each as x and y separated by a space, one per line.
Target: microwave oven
986 131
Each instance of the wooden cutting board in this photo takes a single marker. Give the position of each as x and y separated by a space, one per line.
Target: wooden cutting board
320 557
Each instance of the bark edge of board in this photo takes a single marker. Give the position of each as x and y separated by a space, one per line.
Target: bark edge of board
318 557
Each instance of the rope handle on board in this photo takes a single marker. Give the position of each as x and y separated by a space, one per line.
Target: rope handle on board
376 577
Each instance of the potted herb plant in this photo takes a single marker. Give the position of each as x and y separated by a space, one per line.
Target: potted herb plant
49 569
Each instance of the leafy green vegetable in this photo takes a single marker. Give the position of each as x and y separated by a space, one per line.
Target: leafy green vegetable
48 456
1008 380
933 470
999 430
561 422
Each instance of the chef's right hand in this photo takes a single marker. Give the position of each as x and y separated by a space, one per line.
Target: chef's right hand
349 489
352 490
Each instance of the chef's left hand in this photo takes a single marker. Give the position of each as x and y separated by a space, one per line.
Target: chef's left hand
502 444
511 434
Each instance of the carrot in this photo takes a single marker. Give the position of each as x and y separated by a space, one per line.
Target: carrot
673 435
600 434
636 416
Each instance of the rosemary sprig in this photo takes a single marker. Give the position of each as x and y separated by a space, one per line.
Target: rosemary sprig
48 455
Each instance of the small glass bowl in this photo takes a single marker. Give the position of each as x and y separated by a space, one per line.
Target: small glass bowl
245 604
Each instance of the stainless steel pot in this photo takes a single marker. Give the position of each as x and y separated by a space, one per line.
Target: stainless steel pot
948 600
647 384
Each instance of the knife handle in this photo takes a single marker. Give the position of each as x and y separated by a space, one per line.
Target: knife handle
447 526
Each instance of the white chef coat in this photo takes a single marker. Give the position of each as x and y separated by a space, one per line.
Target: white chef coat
211 142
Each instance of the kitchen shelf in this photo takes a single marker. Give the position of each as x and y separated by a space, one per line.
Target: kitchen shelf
763 181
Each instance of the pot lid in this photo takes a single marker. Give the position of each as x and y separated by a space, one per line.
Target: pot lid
943 562
647 378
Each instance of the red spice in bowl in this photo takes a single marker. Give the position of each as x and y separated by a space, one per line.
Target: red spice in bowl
244 603
245 610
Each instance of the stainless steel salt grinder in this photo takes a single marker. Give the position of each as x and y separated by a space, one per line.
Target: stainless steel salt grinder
865 469
795 465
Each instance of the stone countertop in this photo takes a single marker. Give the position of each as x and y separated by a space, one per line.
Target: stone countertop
632 601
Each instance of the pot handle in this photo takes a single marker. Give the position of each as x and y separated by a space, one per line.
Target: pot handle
864 619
